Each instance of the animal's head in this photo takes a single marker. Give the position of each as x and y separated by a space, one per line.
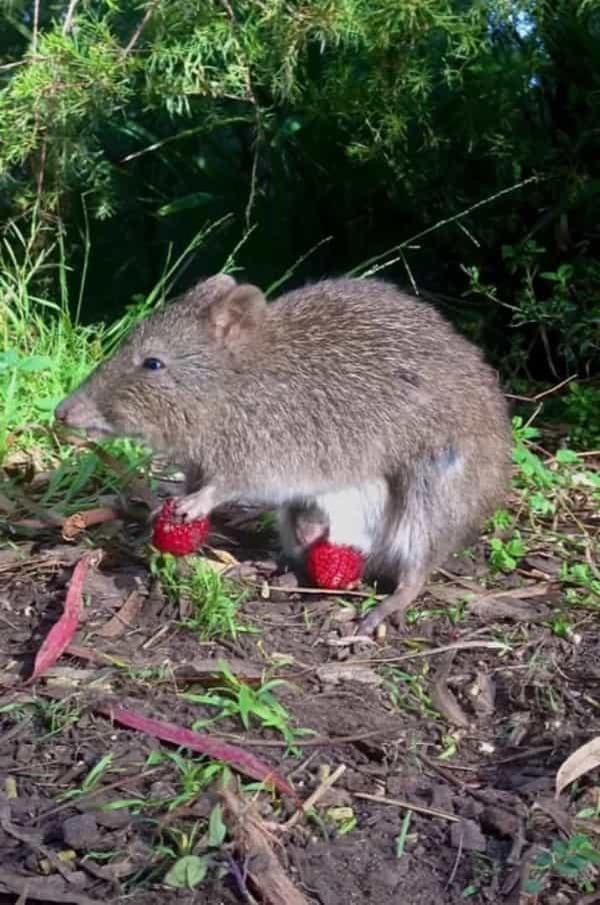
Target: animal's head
168 365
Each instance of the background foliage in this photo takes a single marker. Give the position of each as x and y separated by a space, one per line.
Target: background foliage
130 126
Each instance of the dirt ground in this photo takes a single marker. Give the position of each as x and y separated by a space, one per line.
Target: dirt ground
461 745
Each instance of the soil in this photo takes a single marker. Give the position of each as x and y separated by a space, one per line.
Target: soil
470 738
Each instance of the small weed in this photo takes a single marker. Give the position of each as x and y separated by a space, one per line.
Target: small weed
54 717
250 705
560 625
543 484
213 600
342 818
483 871
193 857
456 612
592 813
194 775
403 835
449 744
505 554
573 859
584 587
502 520
188 869
579 406
407 691
91 780
364 606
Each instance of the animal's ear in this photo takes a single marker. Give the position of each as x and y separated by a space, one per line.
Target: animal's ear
207 291
235 316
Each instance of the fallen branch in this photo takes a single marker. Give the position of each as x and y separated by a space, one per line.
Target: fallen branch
253 842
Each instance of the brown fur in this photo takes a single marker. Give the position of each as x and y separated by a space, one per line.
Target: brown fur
347 395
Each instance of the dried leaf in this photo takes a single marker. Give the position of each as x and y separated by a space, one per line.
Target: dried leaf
581 761
483 693
124 619
230 754
225 557
59 636
441 696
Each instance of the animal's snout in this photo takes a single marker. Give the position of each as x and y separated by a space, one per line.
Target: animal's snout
71 410
78 411
61 412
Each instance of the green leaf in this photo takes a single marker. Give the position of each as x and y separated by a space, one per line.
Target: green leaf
8 359
186 202
47 403
216 828
246 704
567 457
187 872
35 363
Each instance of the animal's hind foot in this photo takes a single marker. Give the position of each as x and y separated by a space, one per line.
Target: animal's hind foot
393 607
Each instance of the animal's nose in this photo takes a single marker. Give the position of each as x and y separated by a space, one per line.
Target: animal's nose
61 412
75 411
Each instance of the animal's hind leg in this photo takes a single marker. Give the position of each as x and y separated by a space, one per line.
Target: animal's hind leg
395 605
433 521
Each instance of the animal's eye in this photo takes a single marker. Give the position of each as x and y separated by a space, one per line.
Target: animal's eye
152 364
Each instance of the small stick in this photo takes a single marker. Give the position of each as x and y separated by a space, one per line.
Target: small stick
137 33
456 861
416 655
69 17
544 393
400 803
36 22
322 591
314 798
318 741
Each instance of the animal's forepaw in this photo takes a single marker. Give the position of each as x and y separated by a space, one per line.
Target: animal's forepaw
190 508
171 535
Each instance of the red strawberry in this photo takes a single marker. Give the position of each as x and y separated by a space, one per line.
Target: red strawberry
333 566
178 538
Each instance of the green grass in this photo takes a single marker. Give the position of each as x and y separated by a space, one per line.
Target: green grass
213 601
192 776
251 706
50 717
44 350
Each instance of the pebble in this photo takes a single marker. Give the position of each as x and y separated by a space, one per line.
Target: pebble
473 839
81 832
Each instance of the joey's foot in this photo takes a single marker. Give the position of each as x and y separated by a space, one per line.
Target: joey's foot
396 605
391 608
